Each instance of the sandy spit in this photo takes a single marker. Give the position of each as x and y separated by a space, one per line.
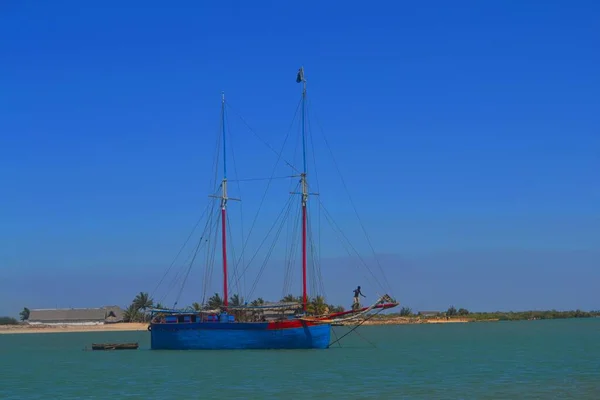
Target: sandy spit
13 329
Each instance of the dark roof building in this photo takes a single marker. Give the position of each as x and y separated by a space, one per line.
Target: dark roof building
76 316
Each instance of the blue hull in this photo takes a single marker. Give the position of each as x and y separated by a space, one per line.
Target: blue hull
237 335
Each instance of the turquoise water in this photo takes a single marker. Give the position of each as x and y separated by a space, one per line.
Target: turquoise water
505 360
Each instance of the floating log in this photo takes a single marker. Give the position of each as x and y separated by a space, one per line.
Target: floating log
114 346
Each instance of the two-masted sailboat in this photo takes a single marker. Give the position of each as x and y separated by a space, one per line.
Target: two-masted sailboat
245 326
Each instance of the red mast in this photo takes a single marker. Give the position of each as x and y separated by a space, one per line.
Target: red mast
304 298
300 78
224 206
224 239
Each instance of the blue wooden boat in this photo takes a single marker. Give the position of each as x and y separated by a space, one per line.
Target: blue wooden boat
287 325
226 333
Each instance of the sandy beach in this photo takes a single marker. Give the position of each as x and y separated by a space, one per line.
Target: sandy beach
13 329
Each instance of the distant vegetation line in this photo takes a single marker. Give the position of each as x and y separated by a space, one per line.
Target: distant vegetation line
8 321
452 312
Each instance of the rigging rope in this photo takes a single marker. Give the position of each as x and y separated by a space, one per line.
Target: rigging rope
354 206
317 278
237 180
293 245
317 186
264 141
232 247
177 276
266 236
348 245
355 328
279 156
207 229
356 315
293 231
210 255
212 190
270 251
180 250
188 271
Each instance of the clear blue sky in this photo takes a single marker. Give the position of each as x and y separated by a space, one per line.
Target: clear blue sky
468 134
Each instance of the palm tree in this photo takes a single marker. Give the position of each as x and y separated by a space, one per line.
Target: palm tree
143 301
215 302
132 314
236 300
405 312
317 306
24 314
196 306
258 302
160 306
290 298
336 309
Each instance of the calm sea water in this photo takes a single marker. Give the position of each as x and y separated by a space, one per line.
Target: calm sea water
505 360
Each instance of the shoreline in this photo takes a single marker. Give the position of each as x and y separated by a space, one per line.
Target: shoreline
143 326
118 327
137 326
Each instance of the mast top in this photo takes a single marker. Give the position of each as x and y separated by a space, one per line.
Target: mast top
224 140
300 78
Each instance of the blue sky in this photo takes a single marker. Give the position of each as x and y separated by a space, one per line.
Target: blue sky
467 134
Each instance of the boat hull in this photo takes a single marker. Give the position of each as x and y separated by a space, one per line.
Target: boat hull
240 335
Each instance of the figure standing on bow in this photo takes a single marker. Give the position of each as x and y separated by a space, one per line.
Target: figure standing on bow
356 304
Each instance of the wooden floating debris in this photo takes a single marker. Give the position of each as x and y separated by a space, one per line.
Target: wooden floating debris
114 346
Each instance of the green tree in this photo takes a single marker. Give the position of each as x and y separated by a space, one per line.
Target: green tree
196 306
257 302
143 301
317 306
24 314
451 311
290 298
336 309
132 314
405 312
8 321
236 301
215 302
463 312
